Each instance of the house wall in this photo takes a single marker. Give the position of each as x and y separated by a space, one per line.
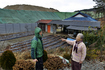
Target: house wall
49 28
51 31
42 26
54 29
79 15
46 28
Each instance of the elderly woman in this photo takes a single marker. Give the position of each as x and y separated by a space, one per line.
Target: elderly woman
78 51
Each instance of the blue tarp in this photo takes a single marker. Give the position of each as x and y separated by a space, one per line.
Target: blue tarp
70 39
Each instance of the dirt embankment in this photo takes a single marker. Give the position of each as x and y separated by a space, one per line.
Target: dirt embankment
102 21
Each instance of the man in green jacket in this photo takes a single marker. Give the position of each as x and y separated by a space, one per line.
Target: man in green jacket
37 49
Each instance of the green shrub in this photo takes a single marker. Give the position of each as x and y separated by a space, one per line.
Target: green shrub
90 38
67 56
61 49
7 60
45 57
91 54
97 38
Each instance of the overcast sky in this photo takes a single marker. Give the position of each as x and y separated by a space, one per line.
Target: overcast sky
61 5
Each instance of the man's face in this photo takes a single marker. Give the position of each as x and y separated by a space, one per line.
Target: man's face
40 33
78 38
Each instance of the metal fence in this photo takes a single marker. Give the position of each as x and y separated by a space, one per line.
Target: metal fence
15 28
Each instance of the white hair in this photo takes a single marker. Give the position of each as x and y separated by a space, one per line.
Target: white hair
81 35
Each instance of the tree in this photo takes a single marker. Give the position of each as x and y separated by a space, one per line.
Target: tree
100 7
7 60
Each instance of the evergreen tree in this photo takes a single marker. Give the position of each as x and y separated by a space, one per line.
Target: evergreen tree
100 7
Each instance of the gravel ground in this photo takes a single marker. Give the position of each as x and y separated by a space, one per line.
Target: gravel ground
90 65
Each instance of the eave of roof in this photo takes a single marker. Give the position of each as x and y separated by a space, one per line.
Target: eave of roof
81 28
44 21
77 23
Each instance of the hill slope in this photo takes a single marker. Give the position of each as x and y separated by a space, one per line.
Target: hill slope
30 7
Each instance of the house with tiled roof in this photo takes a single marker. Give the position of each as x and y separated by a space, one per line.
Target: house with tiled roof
81 17
77 22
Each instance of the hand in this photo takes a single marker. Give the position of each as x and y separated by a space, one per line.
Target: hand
63 39
35 60
80 62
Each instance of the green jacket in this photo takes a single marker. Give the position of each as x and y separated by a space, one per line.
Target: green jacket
37 45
